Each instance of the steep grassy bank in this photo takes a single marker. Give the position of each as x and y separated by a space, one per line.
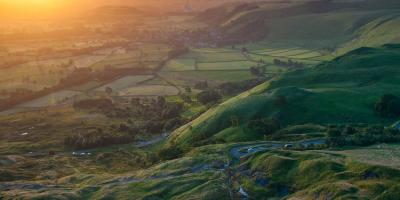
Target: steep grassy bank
338 92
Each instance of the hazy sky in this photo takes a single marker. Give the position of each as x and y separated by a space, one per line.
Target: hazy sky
53 8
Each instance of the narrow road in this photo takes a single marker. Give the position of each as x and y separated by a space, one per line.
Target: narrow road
243 150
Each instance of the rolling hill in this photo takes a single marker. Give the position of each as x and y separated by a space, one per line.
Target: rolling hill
114 12
320 24
343 90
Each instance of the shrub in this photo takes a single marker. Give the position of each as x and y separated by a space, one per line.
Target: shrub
169 153
172 124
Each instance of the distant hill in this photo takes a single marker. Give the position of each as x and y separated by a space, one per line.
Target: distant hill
343 90
111 12
320 24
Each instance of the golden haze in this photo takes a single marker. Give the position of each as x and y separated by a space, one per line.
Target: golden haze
33 9
43 9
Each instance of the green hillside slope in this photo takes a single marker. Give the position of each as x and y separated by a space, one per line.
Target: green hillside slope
341 91
382 30
325 24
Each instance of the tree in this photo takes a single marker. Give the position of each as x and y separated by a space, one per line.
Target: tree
172 110
208 96
335 137
172 124
109 91
169 153
256 71
388 106
161 101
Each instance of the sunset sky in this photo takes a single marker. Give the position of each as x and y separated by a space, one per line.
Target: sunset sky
36 9
52 8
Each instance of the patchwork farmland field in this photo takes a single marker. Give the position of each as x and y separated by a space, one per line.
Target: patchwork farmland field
125 82
180 64
51 99
226 66
87 61
36 75
149 90
212 77
136 56
216 56
195 64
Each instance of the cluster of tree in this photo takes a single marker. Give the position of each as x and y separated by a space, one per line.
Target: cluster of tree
20 96
361 135
233 88
258 70
170 152
388 106
89 104
18 58
83 75
76 77
213 95
289 63
95 139
150 116
201 85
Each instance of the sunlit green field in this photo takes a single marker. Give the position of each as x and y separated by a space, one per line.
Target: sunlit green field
125 82
37 75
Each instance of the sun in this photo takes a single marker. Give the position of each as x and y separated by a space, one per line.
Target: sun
37 2
31 8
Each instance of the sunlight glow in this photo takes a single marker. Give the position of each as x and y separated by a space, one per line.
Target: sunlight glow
31 8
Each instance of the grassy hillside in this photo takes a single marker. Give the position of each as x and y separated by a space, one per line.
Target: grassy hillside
310 175
334 92
382 30
327 24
